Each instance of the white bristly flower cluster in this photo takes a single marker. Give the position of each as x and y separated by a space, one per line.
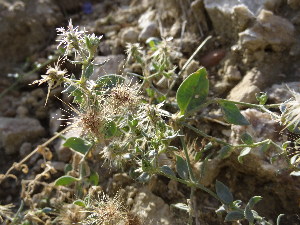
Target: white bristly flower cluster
291 111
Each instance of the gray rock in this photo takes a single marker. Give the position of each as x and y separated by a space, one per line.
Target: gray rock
112 66
15 131
230 17
270 31
146 18
258 162
151 209
129 35
294 4
246 89
64 154
279 93
151 30
25 28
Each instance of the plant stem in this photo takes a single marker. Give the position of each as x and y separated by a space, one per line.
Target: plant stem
3 93
218 140
188 62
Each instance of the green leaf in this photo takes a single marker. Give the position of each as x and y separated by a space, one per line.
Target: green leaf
265 147
253 201
110 129
182 167
244 152
89 71
94 178
234 216
232 114
249 214
47 210
77 144
108 81
65 180
193 91
224 193
198 156
225 152
78 96
247 139
79 202
68 168
168 171
261 98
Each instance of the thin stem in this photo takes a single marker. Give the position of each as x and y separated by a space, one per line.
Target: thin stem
203 134
188 62
261 107
190 184
26 74
34 151
218 140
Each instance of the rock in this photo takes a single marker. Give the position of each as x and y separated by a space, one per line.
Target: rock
15 131
64 154
294 4
146 18
59 166
198 10
246 89
212 169
151 209
112 66
151 30
175 30
261 127
232 74
279 93
230 17
22 111
191 68
25 149
55 120
129 35
25 28
270 31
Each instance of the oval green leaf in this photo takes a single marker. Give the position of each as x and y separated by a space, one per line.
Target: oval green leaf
225 152
244 152
167 171
94 178
249 214
89 71
253 201
108 81
224 193
234 216
193 91
110 129
65 180
79 202
246 138
77 144
182 167
232 114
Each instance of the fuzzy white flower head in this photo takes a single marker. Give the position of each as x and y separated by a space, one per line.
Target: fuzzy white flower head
70 38
291 110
